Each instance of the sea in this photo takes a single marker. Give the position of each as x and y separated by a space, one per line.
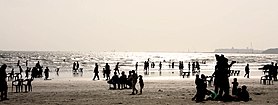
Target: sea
64 61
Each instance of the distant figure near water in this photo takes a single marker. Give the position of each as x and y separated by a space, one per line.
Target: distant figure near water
136 66
96 72
117 68
160 65
107 71
247 71
46 72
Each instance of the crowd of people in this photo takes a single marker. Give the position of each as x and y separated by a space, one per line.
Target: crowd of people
221 84
122 81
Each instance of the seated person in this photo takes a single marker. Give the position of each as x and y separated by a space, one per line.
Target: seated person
123 80
244 95
114 80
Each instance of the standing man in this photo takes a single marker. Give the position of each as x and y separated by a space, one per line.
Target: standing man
247 71
107 69
96 72
46 73
136 66
160 65
3 82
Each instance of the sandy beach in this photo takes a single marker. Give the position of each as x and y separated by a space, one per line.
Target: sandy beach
84 91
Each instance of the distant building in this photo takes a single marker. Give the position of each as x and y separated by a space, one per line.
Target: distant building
233 50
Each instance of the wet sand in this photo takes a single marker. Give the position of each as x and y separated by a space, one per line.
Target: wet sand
82 91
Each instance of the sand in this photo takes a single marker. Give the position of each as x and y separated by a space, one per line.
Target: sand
84 91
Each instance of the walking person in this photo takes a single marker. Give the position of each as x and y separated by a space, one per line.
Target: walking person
117 68
96 72
247 71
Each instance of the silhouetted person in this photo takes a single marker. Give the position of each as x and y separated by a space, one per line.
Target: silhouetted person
3 83
134 78
193 67
34 72
104 72
234 89
196 82
57 71
222 73
169 64
173 65
18 63
74 66
247 71
153 65
271 70
38 66
198 66
136 66
77 65
123 80
147 65
117 68
141 83
201 88
115 81
189 65
107 69
244 95
27 72
160 65
20 71
96 72
275 72
26 63
46 73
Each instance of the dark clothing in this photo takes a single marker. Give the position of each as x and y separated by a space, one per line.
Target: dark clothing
96 73
244 96
247 71
234 90
46 72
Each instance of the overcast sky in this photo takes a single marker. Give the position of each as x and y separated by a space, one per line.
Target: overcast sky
137 25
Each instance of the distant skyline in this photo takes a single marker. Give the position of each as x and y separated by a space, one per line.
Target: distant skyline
137 25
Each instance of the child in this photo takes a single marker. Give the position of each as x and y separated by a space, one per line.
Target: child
235 84
141 83
244 95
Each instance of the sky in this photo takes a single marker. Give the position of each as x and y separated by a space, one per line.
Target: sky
137 25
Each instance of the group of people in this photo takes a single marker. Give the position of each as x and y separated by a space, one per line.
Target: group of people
195 67
121 82
221 81
272 71
238 94
75 66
